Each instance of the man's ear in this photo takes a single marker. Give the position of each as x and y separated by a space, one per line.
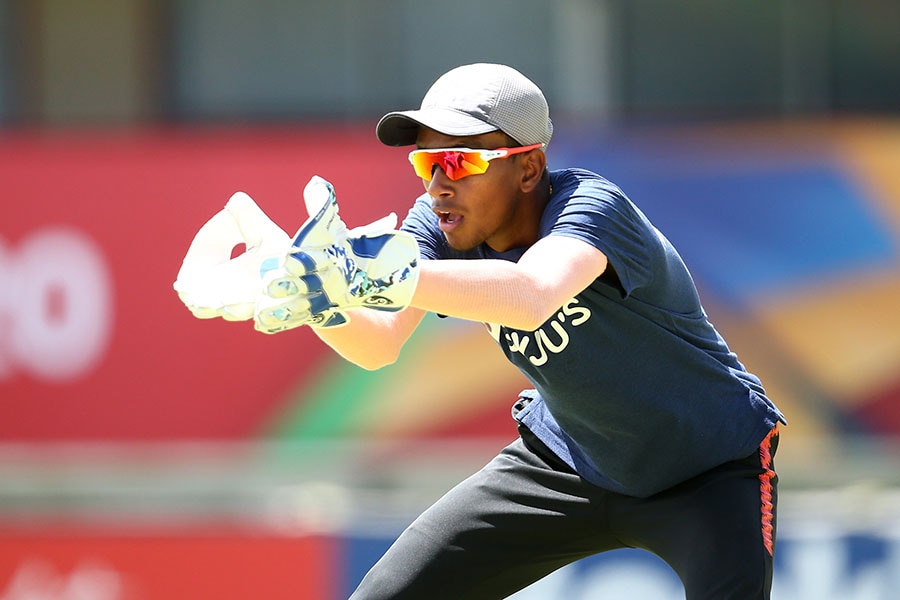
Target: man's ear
533 165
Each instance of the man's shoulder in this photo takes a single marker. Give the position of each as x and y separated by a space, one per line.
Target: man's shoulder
575 189
575 180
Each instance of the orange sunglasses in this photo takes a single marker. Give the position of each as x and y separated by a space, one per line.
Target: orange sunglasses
457 163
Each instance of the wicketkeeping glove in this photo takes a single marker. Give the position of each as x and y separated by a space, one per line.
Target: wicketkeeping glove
210 282
330 269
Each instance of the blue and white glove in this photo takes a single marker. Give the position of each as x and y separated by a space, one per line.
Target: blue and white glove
213 284
330 269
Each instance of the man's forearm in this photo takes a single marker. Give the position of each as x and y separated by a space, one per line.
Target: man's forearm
492 291
522 294
371 339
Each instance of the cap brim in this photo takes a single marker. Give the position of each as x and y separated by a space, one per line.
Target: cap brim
402 127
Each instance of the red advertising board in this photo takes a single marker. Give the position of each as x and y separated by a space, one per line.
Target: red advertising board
167 567
94 343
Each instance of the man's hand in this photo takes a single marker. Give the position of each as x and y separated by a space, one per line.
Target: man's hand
329 269
213 284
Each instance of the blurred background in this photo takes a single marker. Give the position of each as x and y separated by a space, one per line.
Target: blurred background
146 454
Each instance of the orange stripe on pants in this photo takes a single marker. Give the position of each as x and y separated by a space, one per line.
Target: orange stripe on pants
765 491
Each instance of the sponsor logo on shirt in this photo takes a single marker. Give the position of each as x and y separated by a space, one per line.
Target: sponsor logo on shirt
550 338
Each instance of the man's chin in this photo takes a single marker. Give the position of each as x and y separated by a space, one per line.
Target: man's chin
458 245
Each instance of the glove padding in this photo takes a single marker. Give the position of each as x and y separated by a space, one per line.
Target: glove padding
210 282
330 269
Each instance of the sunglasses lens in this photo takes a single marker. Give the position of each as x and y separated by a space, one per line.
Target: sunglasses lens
470 163
423 163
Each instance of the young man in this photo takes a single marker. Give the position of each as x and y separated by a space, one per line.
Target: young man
643 429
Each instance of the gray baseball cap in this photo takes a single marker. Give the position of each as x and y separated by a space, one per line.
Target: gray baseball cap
471 100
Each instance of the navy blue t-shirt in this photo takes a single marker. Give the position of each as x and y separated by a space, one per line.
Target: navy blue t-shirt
633 386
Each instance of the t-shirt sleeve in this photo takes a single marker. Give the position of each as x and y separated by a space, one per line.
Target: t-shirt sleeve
592 209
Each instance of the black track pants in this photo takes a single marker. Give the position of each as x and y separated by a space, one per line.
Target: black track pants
526 514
